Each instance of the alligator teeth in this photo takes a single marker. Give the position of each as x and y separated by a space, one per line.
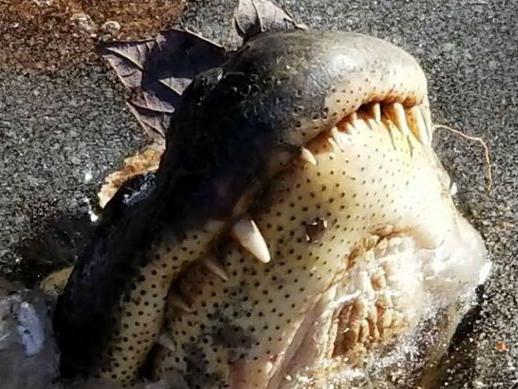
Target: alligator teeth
334 146
376 112
249 236
215 268
362 125
398 112
340 139
350 128
177 301
372 124
307 156
355 121
418 126
425 111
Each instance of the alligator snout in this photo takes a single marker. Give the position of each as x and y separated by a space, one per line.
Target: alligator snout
299 224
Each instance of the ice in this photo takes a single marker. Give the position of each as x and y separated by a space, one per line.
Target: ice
30 329
28 354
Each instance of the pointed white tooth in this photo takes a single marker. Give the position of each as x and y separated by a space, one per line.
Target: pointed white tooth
349 127
376 112
177 301
417 125
333 144
249 236
362 125
215 268
373 125
308 156
425 111
354 120
340 139
400 117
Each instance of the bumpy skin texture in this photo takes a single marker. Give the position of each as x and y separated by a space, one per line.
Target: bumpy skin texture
232 152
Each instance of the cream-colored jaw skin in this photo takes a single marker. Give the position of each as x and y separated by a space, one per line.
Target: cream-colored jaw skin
364 243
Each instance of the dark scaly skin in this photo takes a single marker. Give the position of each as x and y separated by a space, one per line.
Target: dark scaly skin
237 126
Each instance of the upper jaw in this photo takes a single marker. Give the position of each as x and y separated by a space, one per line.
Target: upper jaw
248 119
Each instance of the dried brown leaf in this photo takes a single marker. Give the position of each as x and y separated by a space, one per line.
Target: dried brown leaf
252 17
157 71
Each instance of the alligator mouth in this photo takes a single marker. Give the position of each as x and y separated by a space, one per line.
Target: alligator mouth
382 288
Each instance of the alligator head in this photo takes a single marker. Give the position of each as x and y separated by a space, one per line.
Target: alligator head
299 224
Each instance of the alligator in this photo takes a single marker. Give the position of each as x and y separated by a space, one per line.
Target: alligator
299 225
